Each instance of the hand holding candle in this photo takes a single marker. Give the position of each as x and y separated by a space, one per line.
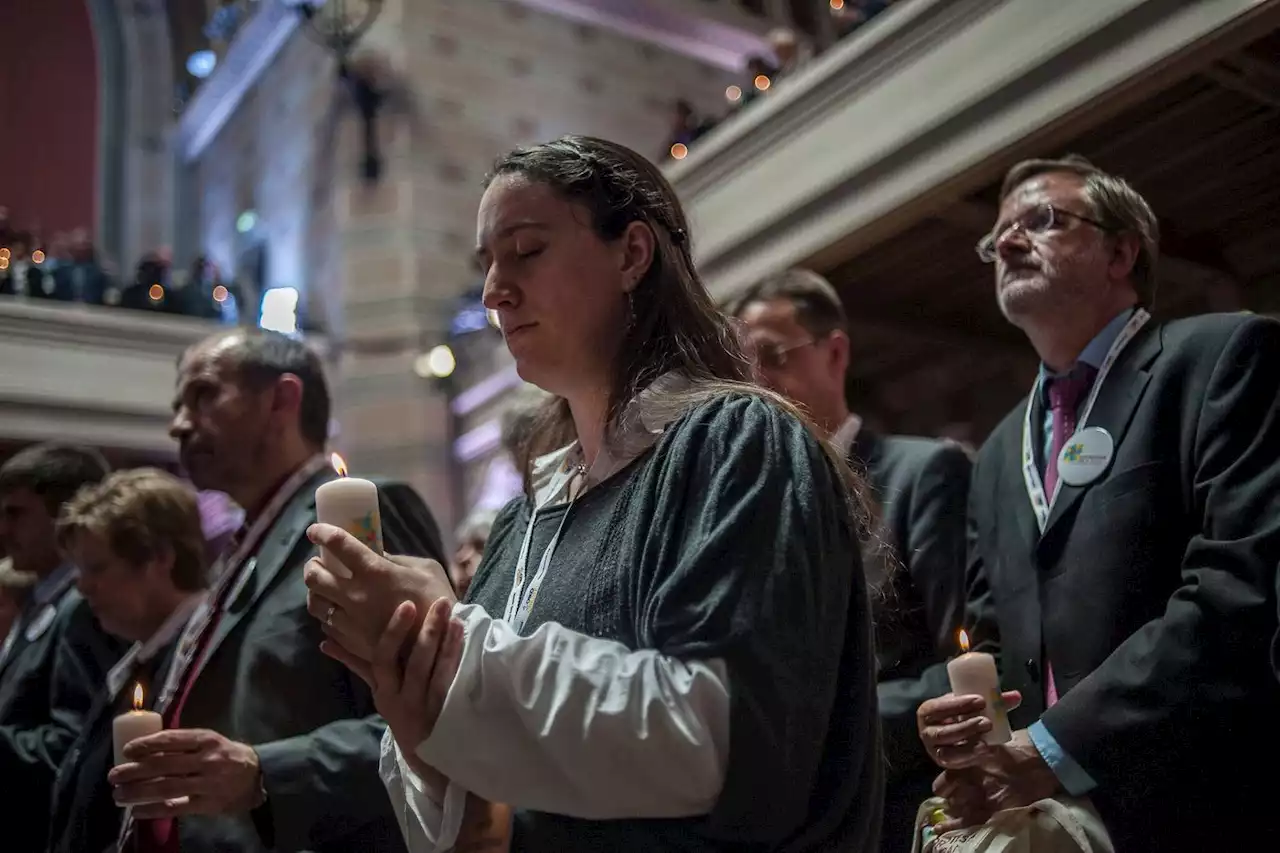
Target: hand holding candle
130 726
974 673
352 504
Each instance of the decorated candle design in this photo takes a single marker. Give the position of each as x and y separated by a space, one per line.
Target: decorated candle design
974 674
352 504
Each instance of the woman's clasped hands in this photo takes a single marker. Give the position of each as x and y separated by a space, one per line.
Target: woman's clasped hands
390 623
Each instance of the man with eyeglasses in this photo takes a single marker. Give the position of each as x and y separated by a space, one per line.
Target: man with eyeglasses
1124 538
796 326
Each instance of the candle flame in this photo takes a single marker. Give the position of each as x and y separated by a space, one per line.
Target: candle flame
137 696
339 464
964 640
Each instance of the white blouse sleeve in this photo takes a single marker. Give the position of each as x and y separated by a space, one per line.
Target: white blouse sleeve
574 725
426 826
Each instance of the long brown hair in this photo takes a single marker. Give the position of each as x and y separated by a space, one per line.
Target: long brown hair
674 324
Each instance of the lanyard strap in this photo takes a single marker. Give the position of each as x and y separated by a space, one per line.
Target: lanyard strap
524 590
228 570
1041 504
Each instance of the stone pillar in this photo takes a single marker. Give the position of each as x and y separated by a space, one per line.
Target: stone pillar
469 80
396 282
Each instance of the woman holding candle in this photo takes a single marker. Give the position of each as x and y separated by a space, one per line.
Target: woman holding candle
664 644
138 542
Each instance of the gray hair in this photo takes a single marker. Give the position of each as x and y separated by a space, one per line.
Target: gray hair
1113 202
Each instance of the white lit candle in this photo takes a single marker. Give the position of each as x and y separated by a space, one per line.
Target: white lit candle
130 726
352 504
974 674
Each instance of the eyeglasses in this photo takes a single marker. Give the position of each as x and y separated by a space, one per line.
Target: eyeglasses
1038 220
775 356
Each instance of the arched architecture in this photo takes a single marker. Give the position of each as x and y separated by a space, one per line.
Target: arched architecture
135 184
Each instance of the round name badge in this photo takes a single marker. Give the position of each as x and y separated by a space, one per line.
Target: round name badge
41 623
1085 456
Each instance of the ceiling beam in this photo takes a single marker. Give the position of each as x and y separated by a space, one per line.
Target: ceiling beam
1265 73
1240 82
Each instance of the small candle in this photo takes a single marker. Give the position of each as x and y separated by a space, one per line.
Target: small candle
352 504
974 674
130 726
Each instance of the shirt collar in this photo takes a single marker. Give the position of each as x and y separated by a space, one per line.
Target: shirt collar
1095 352
846 435
52 585
638 428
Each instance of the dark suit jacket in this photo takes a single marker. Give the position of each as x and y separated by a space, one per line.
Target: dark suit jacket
84 815
921 486
1152 590
46 687
266 683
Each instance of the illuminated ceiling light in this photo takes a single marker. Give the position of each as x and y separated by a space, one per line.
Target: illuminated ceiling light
37 257
156 292
4 252
679 151
733 94
837 5
438 363
220 294
4 263
280 310
201 63
246 222
761 82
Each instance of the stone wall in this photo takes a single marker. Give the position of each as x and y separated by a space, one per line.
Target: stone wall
383 265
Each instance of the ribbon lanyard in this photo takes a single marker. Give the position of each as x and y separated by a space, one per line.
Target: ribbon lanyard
1030 473
226 571
521 597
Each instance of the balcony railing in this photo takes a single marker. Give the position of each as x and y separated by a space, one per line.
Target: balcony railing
90 374
907 114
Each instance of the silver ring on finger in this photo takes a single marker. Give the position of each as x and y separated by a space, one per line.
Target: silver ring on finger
328 616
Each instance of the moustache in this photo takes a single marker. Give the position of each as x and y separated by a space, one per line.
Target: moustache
1014 267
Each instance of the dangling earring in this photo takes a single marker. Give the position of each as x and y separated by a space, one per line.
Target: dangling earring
631 308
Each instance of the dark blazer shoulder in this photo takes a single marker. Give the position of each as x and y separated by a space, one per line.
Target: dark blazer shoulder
1213 332
919 453
1007 433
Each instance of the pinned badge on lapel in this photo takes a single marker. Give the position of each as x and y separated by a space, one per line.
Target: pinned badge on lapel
1085 456
41 623
246 574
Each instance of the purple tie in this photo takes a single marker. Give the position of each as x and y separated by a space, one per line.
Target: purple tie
1065 394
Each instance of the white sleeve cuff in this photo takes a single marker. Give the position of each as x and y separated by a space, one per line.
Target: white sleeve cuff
427 827
575 725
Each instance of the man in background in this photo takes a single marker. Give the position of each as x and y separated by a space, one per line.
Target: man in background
1125 533
798 331
282 742
55 657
